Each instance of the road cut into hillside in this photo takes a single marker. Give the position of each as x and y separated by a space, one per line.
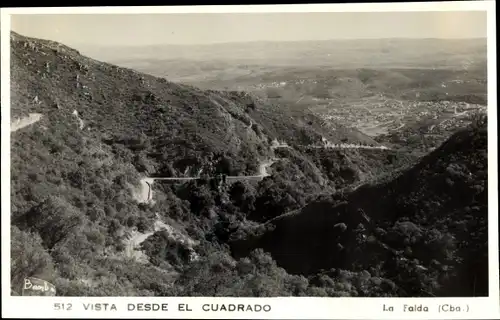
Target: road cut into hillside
24 122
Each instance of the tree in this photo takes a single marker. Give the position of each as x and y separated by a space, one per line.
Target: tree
253 276
54 219
224 166
243 196
201 199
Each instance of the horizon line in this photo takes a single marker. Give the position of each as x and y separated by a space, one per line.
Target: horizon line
254 41
295 41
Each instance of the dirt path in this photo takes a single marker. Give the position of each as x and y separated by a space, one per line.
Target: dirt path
133 243
346 146
276 144
398 128
264 167
24 122
144 192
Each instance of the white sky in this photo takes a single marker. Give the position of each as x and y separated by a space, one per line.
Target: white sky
205 28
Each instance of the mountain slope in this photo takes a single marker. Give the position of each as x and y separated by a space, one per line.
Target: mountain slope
432 220
103 128
185 126
99 129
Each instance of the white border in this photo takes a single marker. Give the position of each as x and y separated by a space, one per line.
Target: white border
282 308
344 7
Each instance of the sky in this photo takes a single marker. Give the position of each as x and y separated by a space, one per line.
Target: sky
207 28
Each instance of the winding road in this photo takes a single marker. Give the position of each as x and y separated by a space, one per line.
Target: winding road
144 194
133 243
26 121
348 147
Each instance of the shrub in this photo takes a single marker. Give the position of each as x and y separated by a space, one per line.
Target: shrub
29 258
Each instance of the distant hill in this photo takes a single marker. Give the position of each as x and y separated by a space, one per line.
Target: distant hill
377 53
292 84
337 68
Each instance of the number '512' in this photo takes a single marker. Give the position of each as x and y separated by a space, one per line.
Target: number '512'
63 306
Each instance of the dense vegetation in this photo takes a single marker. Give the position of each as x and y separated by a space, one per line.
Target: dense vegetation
413 231
425 230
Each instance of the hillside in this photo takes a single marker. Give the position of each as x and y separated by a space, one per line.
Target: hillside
429 224
121 105
85 134
343 168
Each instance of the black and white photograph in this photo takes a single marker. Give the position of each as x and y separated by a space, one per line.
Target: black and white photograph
249 154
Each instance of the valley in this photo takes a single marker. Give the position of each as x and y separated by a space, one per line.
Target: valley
413 97
263 176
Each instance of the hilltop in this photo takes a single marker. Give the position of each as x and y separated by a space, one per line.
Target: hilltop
91 131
